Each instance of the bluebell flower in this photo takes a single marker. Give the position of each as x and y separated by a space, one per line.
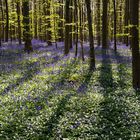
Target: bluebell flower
38 108
36 99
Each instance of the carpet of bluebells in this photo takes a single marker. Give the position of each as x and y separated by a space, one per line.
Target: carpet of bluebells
46 95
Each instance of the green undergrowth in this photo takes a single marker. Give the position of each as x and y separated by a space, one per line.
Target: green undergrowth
61 98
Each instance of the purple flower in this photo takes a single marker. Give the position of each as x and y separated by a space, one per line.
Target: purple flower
36 99
38 108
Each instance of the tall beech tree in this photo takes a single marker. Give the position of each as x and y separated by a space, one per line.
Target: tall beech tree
115 26
2 23
7 21
134 14
89 16
19 20
67 29
48 13
105 24
35 20
76 26
61 22
26 26
81 28
98 2
126 23
70 24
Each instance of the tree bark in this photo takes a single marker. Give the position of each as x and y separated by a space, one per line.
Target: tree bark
76 26
19 21
115 20
67 30
7 22
2 16
26 26
89 16
48 13
98 23
104 25
126 38
134 13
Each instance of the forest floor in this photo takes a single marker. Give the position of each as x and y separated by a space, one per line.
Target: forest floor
46 95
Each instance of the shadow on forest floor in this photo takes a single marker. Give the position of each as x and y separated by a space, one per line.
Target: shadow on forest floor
84 86
48 132
123 58
59 83
30 69
8 59
55 117
53 121
114 120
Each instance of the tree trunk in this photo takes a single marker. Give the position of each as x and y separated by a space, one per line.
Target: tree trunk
76 27
26 25
115 19
81 28
134 13
35 20
48 13
19 21
98 23
89 16
67 30
7 22
61 23
70 26
126 38
104 25
2 16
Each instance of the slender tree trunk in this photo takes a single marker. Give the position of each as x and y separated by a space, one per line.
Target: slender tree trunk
48 12
26 23
35 20
98 23
19 21
120 21
40 22
54 27
76 26
89 16
126 38
7 22
45 20
81 29
135 43
104 25
61 23
2 16
115 20
67 30
70 26
11 33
